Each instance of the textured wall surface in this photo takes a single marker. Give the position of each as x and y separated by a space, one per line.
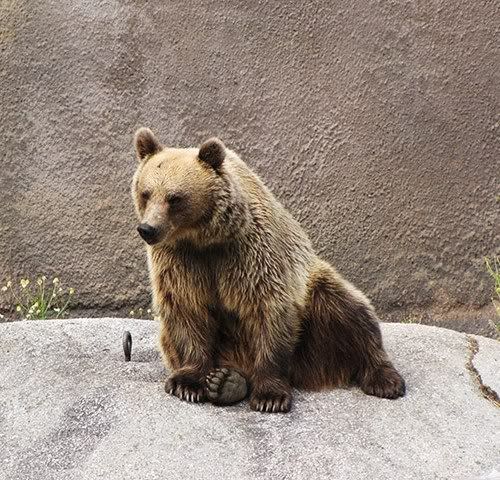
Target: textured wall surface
375 122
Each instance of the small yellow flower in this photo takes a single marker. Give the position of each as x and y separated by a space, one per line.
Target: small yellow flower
24 282
38 312
35 305
131 313
4 288
44 278
18 308
148 310
71 291
9 284
60 289
55 281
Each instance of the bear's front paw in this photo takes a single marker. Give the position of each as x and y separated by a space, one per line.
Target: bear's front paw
271 401
187 386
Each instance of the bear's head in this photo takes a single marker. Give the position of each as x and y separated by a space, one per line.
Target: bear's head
175 190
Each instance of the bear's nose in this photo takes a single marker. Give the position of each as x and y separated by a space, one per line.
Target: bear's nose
147 232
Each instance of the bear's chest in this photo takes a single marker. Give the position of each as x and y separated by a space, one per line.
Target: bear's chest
192 273
215 277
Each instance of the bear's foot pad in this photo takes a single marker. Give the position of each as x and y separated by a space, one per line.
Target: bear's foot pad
225 386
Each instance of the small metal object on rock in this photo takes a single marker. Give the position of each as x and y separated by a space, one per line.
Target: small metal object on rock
127 345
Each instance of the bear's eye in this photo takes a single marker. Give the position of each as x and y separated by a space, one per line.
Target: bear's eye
145 195
174 199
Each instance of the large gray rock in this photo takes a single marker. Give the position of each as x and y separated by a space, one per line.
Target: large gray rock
72 408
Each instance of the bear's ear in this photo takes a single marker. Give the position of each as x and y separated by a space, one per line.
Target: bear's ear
213 152
145 143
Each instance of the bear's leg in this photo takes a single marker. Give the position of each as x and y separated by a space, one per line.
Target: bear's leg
341 342
226 386
382 381
187 346
271 337
271 394
186 384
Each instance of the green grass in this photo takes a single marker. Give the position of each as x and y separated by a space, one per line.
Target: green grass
493 268
140 312
411 318
38 300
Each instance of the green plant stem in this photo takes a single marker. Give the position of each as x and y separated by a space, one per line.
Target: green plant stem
63 309
18 300
51 297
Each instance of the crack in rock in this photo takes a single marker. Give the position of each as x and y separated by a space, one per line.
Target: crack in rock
485 390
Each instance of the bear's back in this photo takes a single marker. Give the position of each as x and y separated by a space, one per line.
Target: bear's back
274 228
261 200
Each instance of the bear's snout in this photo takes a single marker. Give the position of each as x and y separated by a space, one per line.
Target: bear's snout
148 233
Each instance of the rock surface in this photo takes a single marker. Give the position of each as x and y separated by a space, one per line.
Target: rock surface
72 408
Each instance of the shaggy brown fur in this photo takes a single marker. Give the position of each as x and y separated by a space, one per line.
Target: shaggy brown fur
241 295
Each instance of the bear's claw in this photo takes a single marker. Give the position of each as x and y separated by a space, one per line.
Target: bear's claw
185 387
271 402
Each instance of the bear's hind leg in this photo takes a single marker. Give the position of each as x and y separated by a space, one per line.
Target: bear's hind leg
344 339
382 381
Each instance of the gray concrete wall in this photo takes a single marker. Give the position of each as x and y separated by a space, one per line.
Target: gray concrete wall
376 123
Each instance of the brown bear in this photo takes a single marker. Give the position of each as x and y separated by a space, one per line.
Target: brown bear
246 306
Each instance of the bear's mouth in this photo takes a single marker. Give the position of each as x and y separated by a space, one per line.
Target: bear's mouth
151 242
